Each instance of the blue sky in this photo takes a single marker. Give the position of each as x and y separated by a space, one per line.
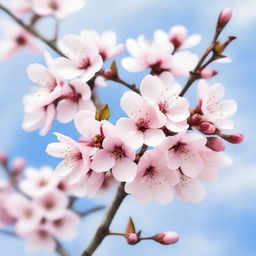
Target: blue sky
225 223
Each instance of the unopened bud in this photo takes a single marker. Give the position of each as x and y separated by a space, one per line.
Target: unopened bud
3 158
195 119
215 143
207 128
235 138
166 238
224 17
108 73
208 73
132 238
103 113
18 165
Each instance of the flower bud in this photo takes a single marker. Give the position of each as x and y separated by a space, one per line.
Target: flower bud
207 128
132 238
108 73
166 238
18 165
208 73
3 158
195 119
215 143
235 138
224 17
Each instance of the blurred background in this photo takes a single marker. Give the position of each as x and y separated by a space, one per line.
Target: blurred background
225 223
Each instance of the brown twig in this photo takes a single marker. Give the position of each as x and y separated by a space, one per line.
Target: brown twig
32 30
103 229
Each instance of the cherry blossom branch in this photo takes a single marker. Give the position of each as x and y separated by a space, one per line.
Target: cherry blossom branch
61 250
215 47
103 229
30 29
130 86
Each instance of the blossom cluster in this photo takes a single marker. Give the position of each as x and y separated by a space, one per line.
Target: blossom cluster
39 209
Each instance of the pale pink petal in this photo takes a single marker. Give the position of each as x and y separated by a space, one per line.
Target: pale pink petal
102 161
153 137
66 110
191 41
133 65
162 194
124 170
50 116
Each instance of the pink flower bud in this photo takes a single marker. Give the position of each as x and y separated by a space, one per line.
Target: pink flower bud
207 128
109 73
132 238
235 138
224 17
208 73
216 144
166 238
3 158
18 164
195 119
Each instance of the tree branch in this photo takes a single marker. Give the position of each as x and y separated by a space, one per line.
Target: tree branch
103 229
30 29
60 249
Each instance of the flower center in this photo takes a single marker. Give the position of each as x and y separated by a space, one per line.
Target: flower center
53 5
150 172
85 63
156 68
103 55
176 42
58 223
143 124
179 147
163 106
42 183
49 205
21 40
118 152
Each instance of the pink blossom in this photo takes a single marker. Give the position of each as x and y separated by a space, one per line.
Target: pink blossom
65 227
6 218
52 204
40 240
89 185
16 39
27 214
93 132
106 43
38 182
156 55
21 7
82 58
164 91
76 97
178 37
167 237
132 238
153 180
143 123
191 189
118 157
58 8
183 151
18 165
76 157
224 17
214 109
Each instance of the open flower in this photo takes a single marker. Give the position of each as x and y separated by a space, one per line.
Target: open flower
82 59
143 123
164 92
16 39
153 180
64 227
76 97
157 55
178 36
58 8
184 152
76 157
37 183
52 204
106 43
118 157
27 213
214 108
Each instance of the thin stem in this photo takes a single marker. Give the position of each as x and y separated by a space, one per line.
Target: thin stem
121 81
115 234
61 250
103 229
95 209
32 30
195 73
